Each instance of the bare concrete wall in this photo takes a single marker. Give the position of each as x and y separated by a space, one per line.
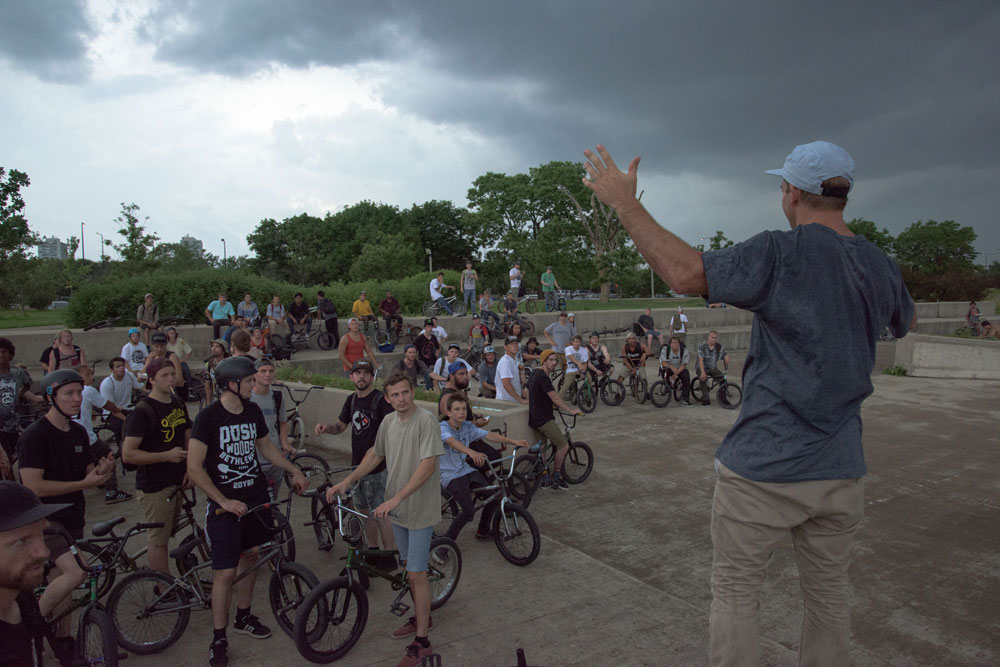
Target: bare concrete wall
949 357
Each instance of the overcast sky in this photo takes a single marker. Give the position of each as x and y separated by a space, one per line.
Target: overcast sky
211 115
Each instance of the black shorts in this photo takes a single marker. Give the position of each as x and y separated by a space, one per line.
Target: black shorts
229 536
57 543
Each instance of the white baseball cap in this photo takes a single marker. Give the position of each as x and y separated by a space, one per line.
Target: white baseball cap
808 165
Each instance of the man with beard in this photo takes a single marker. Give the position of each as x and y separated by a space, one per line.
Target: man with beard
363 413
23 554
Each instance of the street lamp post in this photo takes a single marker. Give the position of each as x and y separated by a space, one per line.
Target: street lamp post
430 265
102 246
223 253
83 254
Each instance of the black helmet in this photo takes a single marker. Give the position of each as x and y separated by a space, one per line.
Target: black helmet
56 379
233 369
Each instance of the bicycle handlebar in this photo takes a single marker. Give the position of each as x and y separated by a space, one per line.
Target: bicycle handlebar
562 417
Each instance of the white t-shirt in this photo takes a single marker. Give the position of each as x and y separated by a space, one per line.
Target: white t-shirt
582 353
515 277
436 286
683 322
135 355
441 368
507 368
439 333
91 399
120 393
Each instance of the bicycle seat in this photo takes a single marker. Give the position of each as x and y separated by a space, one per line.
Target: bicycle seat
183 550
103 528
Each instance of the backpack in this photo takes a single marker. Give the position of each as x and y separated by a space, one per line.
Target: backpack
636 329
386 347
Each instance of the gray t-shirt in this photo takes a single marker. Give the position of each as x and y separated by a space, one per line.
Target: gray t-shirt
562 334
273 418
819 301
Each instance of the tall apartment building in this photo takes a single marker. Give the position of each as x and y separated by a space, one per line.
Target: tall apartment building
52 248
193 244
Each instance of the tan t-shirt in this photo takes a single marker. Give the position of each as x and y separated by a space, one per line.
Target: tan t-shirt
404 444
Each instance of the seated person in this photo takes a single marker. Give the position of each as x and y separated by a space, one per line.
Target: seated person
298 317
488 373
531 352
478 334
674 360
389 308
600 357
413 365
509 307
362 309
135 351
440 373
634 356
989 331
239 322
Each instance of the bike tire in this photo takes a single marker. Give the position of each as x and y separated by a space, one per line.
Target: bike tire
277 342
527 327
131 600
381 337
730 395
516 535
529 305
289 585
579 463
612 392
528 468
660 394
324 524
585 399
331 620
325 340
459 308
641 390
284 533
678 391
311 465
430 309
550 305
561 303
92 553
96 643
449 510
700 389
443 576
195 557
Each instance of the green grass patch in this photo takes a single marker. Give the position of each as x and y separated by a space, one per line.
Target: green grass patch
300 374
13 318
895 369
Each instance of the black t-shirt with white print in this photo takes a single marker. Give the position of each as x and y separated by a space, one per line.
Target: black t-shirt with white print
364 416
231 461
160 434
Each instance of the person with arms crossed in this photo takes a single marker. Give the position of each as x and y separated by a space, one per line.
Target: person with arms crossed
223 461
709 353
793 461
409 442
542 397
363 412
219 313
23 554
156 442
56 462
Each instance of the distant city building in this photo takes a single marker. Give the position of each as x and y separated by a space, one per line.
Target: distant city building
52 248
193 244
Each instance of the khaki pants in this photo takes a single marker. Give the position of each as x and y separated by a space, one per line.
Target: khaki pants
569 380
749 521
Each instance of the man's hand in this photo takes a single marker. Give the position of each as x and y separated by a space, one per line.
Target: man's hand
606 180
96 477
478 458
233 507
177 455
383 510
299 482
521 443
4 464
576 411
288 448
703 376
336 490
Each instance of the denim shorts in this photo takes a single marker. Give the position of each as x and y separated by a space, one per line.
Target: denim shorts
414 546
370 490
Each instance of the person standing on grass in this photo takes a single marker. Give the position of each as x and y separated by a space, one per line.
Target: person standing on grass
409 442
549 287
156 441
793 461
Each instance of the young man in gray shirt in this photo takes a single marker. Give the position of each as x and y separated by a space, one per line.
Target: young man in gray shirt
269 400
792 463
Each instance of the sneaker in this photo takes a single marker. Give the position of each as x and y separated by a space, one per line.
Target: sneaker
415 654
115 496
484 535
252 626
410 628
218 653
440 555
559 482
686 403
706 401
546 480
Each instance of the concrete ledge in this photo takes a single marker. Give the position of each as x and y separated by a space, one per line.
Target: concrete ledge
940 357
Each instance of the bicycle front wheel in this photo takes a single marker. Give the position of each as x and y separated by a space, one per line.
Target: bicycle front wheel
311 465
516 535
93 554
449 510
561 304
290 583
579 462
444 568
459 308
95 640
330 620
660 394
430 309
529 305
730 395
526 478
381 337
325 340
585 398
641 390
612 392
146 618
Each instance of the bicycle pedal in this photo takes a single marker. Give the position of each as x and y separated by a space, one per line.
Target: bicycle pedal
400 609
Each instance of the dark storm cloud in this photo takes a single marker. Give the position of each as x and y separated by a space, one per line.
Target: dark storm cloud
45 38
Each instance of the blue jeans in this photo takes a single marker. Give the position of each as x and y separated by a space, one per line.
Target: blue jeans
444 304
469 298
414 546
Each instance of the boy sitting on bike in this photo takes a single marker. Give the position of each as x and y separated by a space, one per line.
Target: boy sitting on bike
709 353
674 361
460 478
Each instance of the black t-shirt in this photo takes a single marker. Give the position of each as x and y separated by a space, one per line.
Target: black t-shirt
298 310
22 643
539 402
633 354
364 416
231 461
164 432
646 321
427 348
597 356
64 456
389 305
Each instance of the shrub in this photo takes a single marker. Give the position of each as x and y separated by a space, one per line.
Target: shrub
896 369
954 285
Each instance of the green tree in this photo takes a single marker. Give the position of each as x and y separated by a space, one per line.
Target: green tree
178 257
388 257
446 230
15 235
606 234
882 238
719 241
936 247
135 249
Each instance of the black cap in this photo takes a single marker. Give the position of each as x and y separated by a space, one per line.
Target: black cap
20 506
158 338
428 321
454 345
511 339
362 365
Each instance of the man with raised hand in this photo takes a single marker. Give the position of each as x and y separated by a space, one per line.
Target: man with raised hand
409 442
793 461
223 461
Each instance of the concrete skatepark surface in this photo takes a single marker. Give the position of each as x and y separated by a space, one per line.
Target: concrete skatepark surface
623 574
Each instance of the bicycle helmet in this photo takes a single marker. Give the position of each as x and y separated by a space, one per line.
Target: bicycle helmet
233 369
134 330
56 379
